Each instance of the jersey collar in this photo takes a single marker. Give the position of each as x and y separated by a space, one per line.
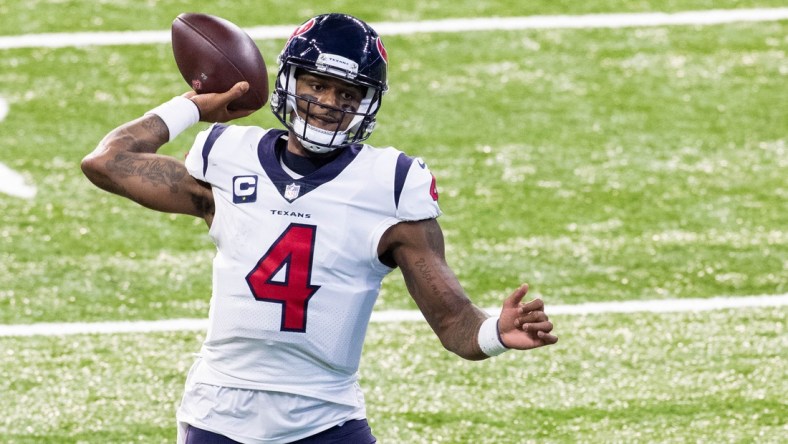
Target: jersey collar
291 189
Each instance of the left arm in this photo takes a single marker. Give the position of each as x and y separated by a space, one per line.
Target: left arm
418 249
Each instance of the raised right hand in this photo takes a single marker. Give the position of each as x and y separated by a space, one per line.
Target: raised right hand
213 106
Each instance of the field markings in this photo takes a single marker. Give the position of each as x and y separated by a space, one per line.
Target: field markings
651 306
12 182
617 20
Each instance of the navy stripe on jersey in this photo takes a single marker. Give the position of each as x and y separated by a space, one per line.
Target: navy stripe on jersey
266 151
400 173
216 131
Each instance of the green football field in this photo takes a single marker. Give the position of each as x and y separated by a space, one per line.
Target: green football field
598 164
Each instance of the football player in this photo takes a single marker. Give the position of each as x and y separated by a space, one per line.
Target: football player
307 222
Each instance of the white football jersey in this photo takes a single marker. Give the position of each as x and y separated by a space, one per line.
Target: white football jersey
296 271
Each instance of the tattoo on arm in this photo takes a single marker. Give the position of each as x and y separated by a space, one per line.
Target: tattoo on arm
450 312
428 274
159 171
155 128
204 204
144 135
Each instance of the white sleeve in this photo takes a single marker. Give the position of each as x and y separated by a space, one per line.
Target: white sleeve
197 157
417 199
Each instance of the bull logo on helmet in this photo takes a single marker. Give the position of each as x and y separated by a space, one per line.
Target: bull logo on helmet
303 29
382 50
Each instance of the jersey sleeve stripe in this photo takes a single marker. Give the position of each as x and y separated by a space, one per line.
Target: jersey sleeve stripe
400 173
216 131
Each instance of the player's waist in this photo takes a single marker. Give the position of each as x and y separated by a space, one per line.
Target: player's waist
276 371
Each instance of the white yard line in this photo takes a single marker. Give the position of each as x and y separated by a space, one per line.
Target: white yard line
12 182
653 306
708 17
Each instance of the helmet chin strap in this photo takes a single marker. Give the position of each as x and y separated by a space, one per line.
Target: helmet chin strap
323 141
315 139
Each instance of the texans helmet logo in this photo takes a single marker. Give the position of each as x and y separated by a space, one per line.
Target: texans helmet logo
382 50
302 29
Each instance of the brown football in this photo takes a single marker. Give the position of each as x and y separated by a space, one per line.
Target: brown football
213 54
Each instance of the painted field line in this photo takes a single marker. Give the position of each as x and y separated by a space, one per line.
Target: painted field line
653 306
12 182
620 20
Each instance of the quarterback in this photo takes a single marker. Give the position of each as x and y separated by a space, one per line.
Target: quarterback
307 221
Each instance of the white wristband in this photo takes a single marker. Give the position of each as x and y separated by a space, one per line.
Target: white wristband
178 114
490 338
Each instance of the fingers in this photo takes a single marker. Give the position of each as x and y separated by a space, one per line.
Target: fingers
516 297
534 305
537 327
524 326
530 317
547 338
222 100
213 106
541 332
236 91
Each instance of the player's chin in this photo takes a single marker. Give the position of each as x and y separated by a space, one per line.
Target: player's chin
327 125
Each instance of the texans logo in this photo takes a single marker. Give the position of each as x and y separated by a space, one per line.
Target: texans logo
302 29
382 50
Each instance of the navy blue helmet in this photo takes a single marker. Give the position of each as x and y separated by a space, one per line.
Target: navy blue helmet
340 46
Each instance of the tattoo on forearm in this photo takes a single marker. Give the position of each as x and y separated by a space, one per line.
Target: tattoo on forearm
145 135
156 171
428 274
456 326
157 127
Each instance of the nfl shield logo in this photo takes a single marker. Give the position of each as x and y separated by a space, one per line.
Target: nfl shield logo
292 191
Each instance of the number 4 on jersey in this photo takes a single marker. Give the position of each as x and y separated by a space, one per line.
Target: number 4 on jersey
293 252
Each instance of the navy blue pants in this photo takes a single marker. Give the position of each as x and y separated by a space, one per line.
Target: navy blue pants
356 431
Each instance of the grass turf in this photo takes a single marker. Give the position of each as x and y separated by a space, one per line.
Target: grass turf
690 377
600 165
596 164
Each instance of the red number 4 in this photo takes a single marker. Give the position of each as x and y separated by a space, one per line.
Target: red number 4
293 252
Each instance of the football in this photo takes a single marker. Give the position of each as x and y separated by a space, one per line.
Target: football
213 54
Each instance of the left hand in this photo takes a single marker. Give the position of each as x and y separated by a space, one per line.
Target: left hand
524 326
